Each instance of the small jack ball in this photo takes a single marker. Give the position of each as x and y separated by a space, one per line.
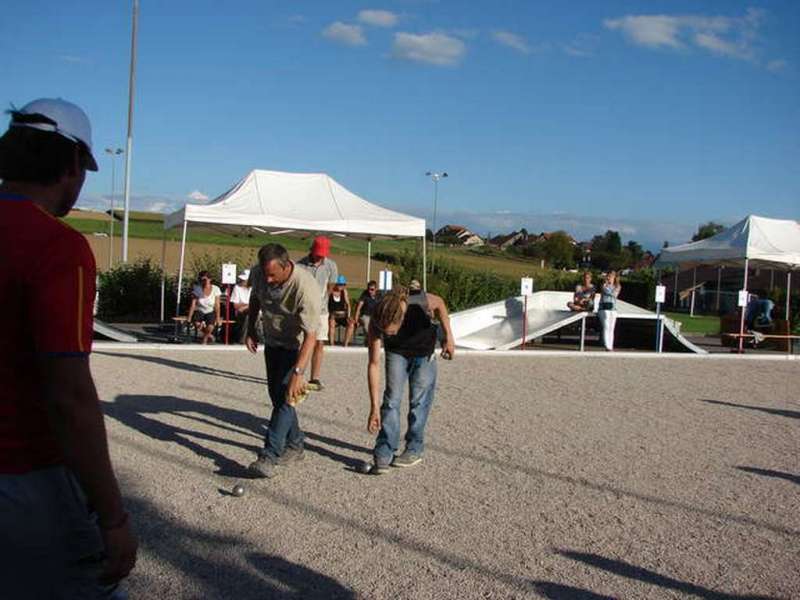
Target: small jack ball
238 490
364 467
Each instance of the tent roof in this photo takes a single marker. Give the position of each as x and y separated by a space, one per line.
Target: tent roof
765 242
274 201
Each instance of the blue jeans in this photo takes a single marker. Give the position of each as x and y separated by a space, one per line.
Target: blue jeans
284 428
420 372
49 539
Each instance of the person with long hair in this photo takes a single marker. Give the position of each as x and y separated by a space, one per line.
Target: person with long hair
204 311
403 321
607 312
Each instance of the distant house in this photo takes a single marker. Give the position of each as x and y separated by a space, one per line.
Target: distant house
504 242
458 235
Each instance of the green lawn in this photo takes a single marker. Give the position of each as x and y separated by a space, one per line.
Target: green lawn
154 230
700 325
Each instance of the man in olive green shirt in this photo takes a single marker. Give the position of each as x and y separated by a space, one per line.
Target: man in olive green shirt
289 301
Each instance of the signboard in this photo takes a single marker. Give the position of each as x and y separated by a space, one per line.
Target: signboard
385 281
229 273
661 294
526 286
743 294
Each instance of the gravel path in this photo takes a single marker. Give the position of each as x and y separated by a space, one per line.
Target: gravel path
543 477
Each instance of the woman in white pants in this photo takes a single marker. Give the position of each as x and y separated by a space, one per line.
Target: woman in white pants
607 312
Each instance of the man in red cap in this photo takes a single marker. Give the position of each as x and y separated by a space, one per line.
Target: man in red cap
325 272
64 532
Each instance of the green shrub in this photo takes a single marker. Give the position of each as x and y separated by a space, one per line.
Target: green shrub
132 292
244 258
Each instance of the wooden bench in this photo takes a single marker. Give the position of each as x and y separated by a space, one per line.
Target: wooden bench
767 336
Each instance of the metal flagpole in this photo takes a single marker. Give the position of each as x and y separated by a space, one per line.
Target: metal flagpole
131 88
424 265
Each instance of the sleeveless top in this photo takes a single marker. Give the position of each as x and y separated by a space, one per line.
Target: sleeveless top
336 303
417 334
608 297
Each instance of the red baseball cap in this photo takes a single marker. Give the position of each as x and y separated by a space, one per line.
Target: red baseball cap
321 246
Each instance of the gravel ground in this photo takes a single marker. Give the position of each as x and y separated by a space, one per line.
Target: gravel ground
544 477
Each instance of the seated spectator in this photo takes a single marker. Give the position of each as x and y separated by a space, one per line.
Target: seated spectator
204 311
339 310
583 300
759 311
366 305
240 298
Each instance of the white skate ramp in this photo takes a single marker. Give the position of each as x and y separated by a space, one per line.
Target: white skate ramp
498 326
113 333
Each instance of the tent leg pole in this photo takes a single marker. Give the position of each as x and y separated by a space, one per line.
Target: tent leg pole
583 332
744 308
163 273
694 286
675 289
424 265
369 261
788 303
180 270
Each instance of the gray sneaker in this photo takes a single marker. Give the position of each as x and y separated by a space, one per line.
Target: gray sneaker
407 459
291 455
379 468
262 468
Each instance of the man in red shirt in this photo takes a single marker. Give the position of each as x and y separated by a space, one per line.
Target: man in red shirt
64 532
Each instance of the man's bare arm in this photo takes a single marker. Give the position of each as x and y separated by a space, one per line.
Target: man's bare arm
439 308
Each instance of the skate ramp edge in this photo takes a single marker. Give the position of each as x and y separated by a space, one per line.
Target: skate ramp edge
498 326
113 333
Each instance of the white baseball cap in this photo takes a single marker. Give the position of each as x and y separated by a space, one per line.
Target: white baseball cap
70 122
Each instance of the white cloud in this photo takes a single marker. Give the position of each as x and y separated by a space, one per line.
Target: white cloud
162 204
158 207
378 18
777 65
433 48
733 37
512 40
296 19
582 46
342 33
197 196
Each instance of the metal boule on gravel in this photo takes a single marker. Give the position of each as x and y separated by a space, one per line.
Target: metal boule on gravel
238 490
364 467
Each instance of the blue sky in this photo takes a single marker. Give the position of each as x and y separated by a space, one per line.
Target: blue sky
645 117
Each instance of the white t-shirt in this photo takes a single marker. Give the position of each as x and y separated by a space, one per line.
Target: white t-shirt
241 295
205 304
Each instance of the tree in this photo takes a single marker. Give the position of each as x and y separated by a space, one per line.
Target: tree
707 230
429 235
558 250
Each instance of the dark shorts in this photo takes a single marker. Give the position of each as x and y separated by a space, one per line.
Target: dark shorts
208 319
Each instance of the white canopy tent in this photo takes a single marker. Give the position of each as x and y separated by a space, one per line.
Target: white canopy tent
295 203
752 242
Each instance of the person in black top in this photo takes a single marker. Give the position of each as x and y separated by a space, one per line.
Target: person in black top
339 310
366 305
403 321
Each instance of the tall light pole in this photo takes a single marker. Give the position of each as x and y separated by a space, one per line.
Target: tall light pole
435 177
131 88
114 152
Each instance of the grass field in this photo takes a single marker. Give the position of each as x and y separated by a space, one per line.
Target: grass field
701 325
153 230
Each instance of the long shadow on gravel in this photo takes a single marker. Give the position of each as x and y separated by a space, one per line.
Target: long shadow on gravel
558 591
179 364
770 473
139 412
792 414
220 566
630 571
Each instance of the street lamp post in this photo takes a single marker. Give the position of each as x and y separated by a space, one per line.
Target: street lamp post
435 177
131 88
114 152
